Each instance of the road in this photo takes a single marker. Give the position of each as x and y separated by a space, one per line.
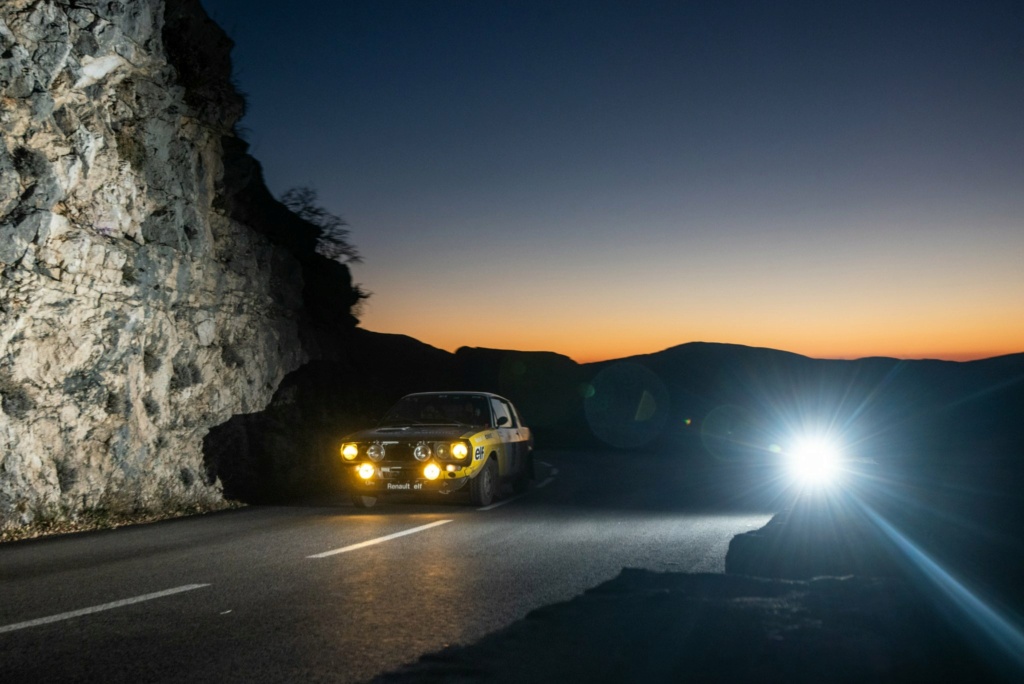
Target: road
324 592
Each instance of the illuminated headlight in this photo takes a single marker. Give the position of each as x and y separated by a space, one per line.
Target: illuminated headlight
460 450
432 471
375 452
421 452
349 451
815 460
366 471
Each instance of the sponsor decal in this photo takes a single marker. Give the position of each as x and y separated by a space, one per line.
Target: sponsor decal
478 454
407 486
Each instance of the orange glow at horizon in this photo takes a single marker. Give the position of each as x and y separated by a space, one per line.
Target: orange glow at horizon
855 293
606 348
587 341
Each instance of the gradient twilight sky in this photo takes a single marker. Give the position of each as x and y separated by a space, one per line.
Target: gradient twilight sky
602 179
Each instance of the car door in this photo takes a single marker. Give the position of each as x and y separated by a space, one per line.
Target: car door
514 437
521 435
507 462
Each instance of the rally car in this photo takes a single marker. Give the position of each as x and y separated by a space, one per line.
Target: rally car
441 442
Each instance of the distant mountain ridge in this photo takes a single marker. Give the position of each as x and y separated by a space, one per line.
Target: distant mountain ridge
704 400
883 404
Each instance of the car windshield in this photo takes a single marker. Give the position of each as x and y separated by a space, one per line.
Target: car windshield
439 409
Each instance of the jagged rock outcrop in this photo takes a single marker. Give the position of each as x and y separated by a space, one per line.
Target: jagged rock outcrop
138 308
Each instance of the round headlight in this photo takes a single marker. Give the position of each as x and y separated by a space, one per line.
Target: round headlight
432 471
349 451
460 450
366 471
375 452
421 452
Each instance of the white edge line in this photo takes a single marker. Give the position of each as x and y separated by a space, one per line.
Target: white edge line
97 609
550 479
378 540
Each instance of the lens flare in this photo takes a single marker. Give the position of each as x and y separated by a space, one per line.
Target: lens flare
815 460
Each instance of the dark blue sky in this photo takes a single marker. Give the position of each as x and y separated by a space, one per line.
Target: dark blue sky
837 179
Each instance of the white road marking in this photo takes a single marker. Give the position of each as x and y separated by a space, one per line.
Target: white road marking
378 540
97 609
550 479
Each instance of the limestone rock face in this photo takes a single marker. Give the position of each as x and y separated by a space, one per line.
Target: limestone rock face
135 311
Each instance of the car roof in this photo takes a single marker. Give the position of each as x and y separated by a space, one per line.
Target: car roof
457 392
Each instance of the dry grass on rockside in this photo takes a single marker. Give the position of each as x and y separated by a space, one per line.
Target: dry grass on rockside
105 520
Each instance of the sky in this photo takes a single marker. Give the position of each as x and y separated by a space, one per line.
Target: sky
603 179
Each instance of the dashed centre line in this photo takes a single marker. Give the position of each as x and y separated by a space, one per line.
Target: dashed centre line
97 609
186 588
378 540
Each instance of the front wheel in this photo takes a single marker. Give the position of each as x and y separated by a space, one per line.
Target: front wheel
484 488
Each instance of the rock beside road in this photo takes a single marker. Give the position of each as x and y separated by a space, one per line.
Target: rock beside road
135 313
666 627
825 533
819 594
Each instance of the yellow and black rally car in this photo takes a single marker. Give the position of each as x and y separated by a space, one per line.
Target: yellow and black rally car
441 442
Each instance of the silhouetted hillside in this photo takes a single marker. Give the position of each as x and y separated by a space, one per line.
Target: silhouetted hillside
705 401
886 408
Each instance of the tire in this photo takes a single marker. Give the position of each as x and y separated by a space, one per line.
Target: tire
363 501
483 489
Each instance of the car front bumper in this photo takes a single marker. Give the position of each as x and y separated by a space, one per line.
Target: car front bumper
406 479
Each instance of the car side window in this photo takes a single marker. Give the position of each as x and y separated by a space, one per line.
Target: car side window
513 419
516 420
500 410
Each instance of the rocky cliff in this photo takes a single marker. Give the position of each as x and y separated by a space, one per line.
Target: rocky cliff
150 287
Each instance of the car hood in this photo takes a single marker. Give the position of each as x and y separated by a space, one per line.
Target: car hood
414 433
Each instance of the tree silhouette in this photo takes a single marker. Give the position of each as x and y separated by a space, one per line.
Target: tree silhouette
333 241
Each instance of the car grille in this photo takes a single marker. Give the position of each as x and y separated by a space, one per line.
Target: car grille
400 453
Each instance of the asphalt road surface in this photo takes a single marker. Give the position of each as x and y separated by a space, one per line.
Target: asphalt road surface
325 592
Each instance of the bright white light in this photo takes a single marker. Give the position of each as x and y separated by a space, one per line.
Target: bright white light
815 460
